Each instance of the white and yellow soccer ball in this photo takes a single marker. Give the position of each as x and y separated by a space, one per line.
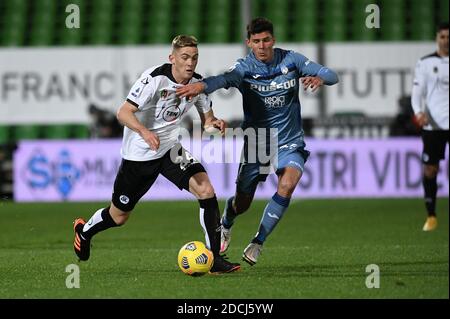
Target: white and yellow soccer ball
194 259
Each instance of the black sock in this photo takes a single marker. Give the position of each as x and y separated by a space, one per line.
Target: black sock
210 220
256 241
430 187
99 222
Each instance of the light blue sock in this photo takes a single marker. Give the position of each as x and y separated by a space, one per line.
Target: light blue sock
229 214
272 214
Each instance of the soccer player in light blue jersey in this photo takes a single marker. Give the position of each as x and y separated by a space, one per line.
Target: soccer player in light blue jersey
269 81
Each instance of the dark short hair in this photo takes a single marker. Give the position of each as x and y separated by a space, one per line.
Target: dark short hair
181 41
259 25
442 26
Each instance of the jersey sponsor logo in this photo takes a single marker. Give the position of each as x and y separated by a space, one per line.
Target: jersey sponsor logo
171 113
274 86
255 76
275 101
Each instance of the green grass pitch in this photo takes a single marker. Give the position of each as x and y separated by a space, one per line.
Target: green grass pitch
319 250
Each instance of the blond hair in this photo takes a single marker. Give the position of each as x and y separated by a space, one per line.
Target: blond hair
181 41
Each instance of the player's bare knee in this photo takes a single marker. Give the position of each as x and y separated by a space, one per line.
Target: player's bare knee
286 187
200 186
204 191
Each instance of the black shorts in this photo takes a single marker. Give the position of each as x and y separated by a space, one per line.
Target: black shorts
434 143
134 178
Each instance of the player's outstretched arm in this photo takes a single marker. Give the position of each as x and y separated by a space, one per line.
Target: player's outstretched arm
314 75
126 117
318 76
232 78
191 90
328 76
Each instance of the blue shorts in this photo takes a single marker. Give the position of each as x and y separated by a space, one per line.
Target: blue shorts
250 174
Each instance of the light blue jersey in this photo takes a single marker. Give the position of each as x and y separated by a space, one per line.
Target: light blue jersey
270 91
270 100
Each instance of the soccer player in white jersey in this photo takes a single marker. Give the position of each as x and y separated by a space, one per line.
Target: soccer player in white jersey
431 85
151 116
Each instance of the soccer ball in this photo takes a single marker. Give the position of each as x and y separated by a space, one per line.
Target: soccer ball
195 259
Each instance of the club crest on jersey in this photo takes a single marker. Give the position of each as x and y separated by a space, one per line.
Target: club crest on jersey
164 94
284 70
145 81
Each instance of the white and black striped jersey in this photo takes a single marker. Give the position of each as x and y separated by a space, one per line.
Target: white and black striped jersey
160 110
431 85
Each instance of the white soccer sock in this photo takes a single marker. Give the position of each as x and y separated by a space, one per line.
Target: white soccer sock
95 219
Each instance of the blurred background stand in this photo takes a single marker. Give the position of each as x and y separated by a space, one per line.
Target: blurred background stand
104 123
